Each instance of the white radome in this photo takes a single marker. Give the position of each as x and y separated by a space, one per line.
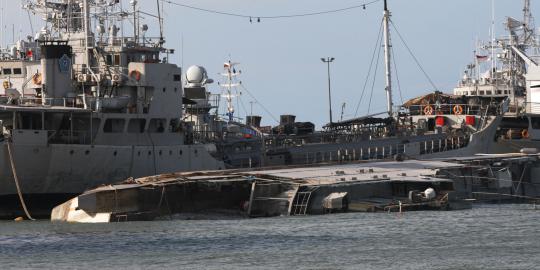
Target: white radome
196 74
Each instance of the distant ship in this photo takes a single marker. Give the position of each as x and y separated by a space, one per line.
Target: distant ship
505 67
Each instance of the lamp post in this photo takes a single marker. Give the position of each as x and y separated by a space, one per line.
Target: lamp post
329 60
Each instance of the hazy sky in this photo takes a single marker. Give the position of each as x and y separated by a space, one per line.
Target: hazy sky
281 57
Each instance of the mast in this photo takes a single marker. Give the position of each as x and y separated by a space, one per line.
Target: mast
86 32
230 73
387 59
527 31
230 106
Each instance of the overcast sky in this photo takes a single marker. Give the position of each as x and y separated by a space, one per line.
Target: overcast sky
280 58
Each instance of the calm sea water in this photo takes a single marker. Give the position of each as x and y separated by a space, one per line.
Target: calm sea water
486 237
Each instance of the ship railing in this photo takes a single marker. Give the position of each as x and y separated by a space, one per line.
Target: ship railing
382 152
69 102
443 144
436 109
532 107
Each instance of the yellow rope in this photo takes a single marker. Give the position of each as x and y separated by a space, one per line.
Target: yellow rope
16 179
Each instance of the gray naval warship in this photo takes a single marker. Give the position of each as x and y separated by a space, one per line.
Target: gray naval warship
82 105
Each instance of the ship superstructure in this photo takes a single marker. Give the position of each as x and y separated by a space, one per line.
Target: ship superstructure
499 70
84 103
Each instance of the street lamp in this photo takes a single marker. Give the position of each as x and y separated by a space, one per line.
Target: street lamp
329 60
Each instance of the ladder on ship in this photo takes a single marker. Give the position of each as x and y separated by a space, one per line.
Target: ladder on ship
301 201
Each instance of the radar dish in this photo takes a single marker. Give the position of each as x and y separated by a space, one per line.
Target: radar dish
196 74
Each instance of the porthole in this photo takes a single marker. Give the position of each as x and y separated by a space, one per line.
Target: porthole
160 152
170 152
87 152
139 153
71 152
115 153
149 152
180 152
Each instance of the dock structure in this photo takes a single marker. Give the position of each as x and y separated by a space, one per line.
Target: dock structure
444 184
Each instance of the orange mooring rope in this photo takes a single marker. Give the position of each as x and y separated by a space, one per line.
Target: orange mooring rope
16 179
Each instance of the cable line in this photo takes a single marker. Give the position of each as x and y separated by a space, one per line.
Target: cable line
397 76
232 14
369 70
414 57
262 106
374 77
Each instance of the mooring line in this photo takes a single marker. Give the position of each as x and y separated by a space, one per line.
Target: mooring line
16 179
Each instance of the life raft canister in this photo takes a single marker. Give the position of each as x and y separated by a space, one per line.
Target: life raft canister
36 79
458 110
6 84
525 133
428 110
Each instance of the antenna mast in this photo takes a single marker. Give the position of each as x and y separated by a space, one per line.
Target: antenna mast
527 20
386 20
87 26
161 40
230 73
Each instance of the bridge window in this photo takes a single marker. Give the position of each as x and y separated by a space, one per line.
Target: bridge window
17 71
156 126
136 125
6 71
535 122
113 125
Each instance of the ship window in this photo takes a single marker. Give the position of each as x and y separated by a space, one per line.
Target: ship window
535 122
156 126
488 92
136 125
17 71
177 77
109 60
499 92
481 93
116 59
174 125
114 125
28 120
6 71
